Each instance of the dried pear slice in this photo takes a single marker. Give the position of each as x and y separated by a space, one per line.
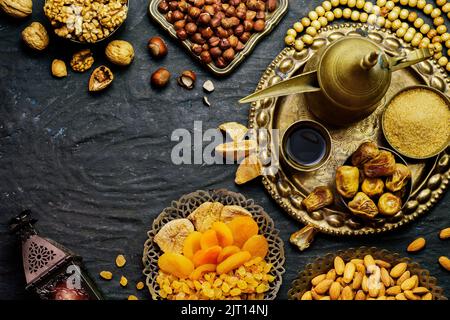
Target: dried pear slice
172 235
235 131
228 213
249 169
237 150
205 215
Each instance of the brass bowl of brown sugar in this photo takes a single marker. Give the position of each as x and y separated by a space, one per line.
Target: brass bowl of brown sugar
416 122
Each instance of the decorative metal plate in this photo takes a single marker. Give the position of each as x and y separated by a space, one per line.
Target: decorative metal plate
430 177
187 204
323 264
272 20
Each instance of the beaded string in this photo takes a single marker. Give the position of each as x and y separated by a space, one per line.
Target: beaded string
404 23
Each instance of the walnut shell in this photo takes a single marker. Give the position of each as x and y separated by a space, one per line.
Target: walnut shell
59 69
120 52
100 79
35 36
17 8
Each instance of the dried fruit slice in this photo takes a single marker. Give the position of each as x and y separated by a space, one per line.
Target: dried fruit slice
228 213
172 235
209 239
237 150
232 262
234 130
257 246
175 264
249 169
226 252
243 228
206 256
205 215
192 244
200 270
223 234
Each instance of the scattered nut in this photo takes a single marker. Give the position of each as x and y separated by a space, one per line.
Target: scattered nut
35 36
160 78
123 281
208 86
82 60
157 47
206 102
106 275
140 285
120 52
187 79
100 79
416 245
120 261
132 297
444 234
59 69
17 8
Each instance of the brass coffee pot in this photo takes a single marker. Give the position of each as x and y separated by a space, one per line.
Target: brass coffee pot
344 81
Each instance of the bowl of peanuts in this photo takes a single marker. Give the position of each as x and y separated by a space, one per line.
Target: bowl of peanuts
365 274
86 21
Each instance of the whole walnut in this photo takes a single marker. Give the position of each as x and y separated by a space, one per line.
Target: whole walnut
35 36
17 8
120 52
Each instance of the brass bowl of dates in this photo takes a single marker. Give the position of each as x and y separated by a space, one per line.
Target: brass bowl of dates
374 181
86 21
218 33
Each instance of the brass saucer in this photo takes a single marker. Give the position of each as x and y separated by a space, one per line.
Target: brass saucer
430 177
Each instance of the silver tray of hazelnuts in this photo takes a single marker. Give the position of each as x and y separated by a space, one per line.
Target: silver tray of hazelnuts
218 33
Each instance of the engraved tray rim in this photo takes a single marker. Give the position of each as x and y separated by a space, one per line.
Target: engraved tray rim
255 38
439 174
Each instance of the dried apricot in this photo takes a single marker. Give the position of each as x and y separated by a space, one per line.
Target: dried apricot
257 246
242 228
209 239
223 233
175 264
206 256
232 262
200 270
226 252
192 244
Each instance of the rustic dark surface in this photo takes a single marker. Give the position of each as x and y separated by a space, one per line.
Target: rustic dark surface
96 169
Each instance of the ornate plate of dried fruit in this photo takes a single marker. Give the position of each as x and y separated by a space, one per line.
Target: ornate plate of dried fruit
429 177
214 245
220 34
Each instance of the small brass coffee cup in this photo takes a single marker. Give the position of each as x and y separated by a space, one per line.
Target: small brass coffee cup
306 145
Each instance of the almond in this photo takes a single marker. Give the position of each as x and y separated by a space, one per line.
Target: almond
416 245
339 265
383 264
390 298
385 277
410 283
392 291
374 285
444 262
315 295
427 296
360 295
325 298
306 296
382 290
347 293
365 284
382 298
323 286
357 261
400 296
357 281
444 234
420 291
411 296
316 280
331 274
361 268
403 277
349 272
335 290
368 260
398 270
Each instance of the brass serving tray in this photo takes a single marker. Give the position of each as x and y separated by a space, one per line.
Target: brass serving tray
272 20
288 189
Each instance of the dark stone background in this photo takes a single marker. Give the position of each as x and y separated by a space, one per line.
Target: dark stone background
96 169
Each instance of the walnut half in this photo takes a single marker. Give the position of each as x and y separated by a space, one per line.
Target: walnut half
100 79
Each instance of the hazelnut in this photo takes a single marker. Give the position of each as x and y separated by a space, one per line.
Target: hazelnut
205 56
225 6
235 2
250 15
260 15
194 12
169 17
119 52
100 79
209 9
17 8
187 79
214 41
160 78
215 52
204 18
230 12
207 33
228 23
228 54
177 15
59 69
35 36
224 44
221 63
259 25
233 41
215 22
248 25
182 34
208 2
271 5
241 11
205 47
173 5
196 49
180 24
252 4
239 30
191 28
163 7
245 37
240 46
183 6
197 38
199 3
157 47
221 32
